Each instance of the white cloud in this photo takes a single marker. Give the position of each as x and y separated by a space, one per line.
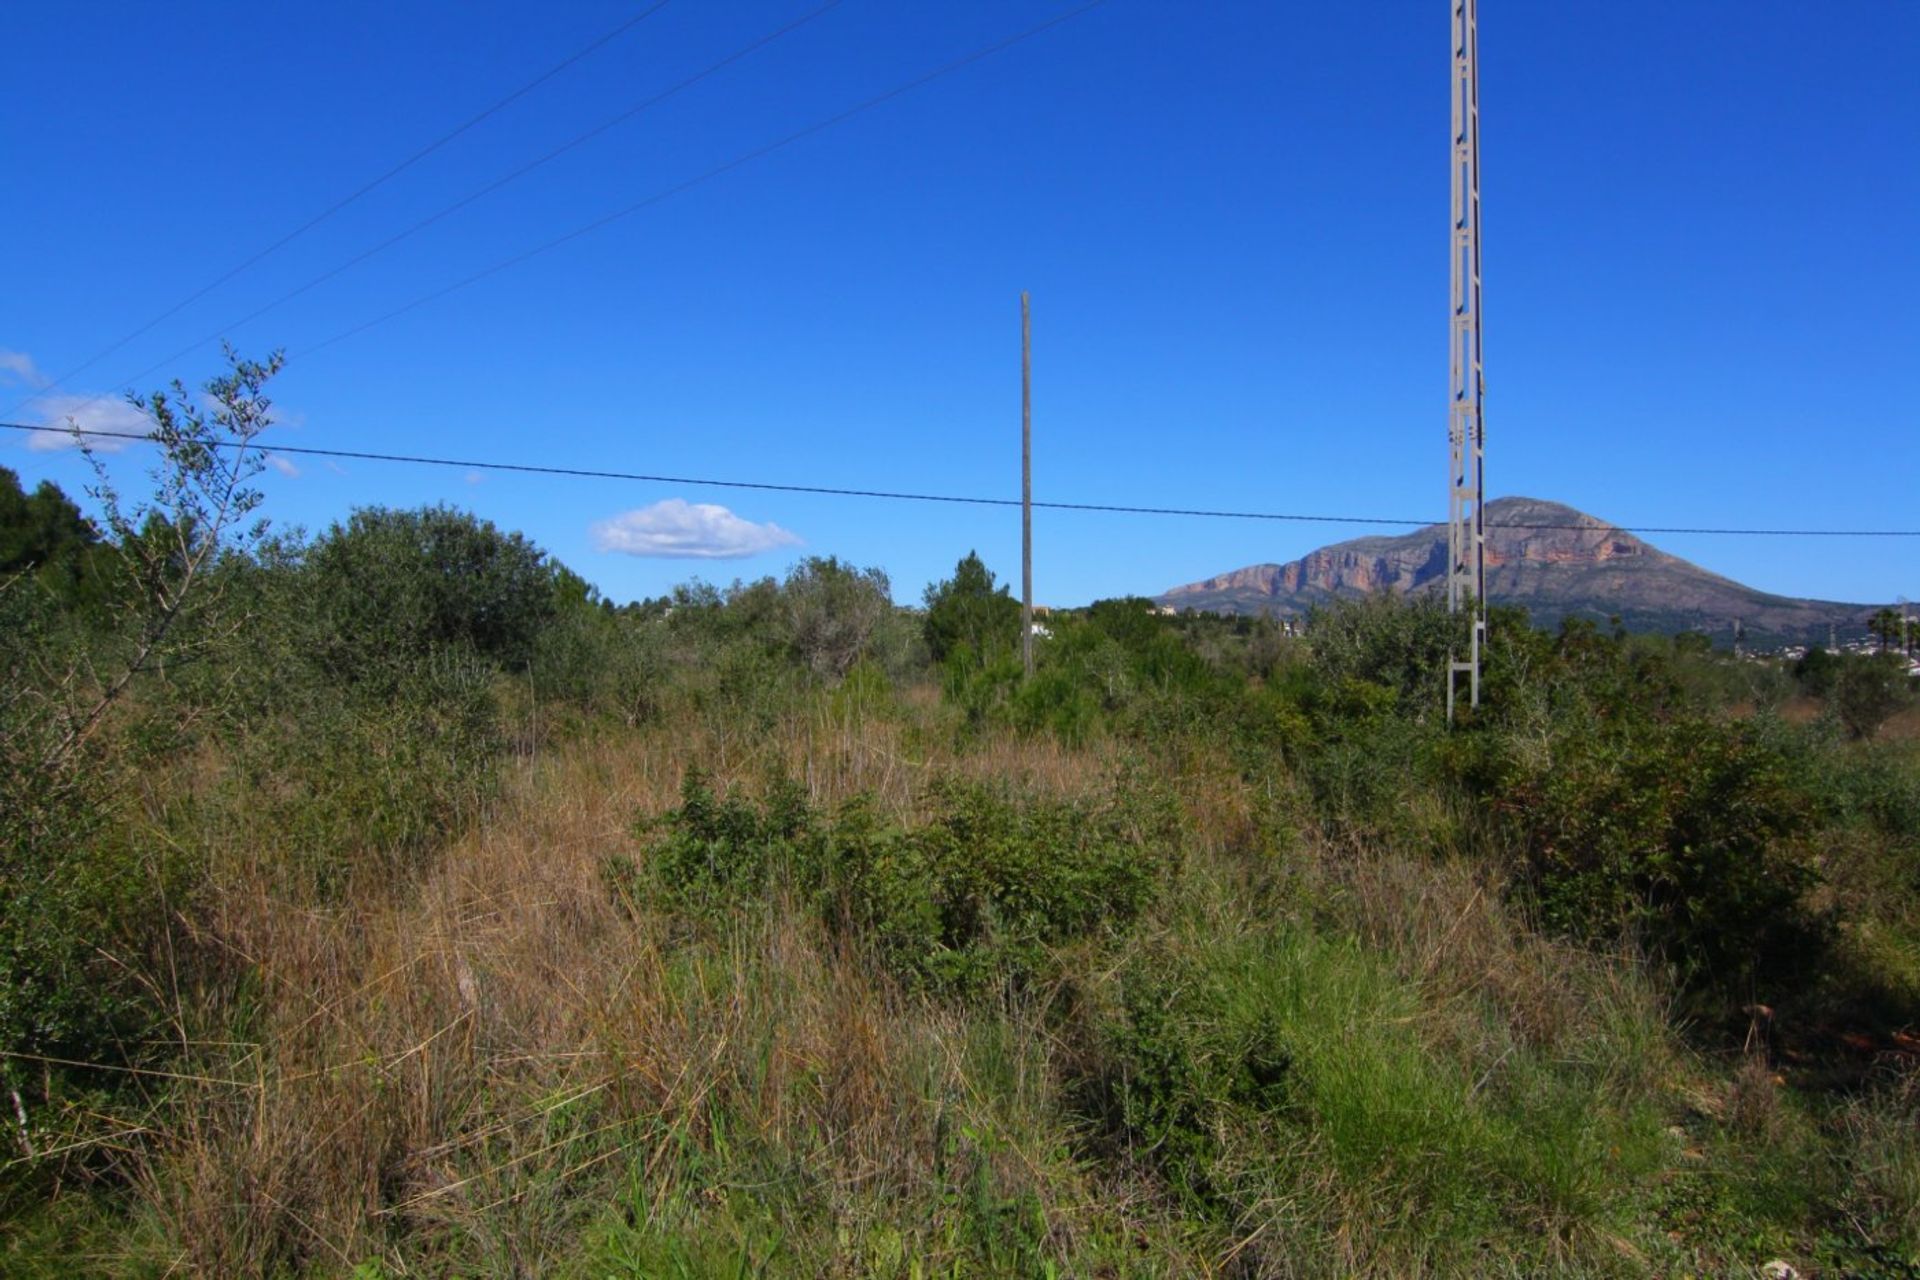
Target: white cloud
688 530
18 366
284 465
474 477
89 413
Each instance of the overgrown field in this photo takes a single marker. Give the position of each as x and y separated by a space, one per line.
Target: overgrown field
385 904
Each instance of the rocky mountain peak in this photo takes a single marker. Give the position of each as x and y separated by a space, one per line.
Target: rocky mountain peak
1548 557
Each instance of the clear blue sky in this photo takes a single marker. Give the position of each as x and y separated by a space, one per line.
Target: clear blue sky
1702 266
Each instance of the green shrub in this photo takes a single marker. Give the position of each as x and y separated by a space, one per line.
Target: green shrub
1055 701
974 894
71 894
833 612
344 783
1868 691
606 661
1173 1065
990 882
1682 834
391 588
967 613
982 688
716 850
1383 641
77 900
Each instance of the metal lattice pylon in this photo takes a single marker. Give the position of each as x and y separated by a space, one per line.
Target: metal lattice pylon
1466 488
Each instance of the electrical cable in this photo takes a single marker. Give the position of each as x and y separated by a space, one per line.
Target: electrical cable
348 199
488 189
739 161
594 473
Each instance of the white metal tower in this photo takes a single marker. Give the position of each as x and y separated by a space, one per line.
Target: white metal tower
1466 489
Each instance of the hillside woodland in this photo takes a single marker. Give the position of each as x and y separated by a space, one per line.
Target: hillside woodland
383 902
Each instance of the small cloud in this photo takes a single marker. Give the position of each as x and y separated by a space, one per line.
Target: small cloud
335 467
18 367
678 529
474 477
283 465
61 413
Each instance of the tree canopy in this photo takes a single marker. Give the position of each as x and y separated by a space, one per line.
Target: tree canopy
967 613
392 586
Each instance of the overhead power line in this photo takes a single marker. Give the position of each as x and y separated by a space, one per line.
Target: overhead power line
833 491
739 161
659 197
365 188
496 184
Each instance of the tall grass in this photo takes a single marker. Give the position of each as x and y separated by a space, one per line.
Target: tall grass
1201 973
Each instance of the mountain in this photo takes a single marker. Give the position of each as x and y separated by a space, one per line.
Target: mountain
1580 566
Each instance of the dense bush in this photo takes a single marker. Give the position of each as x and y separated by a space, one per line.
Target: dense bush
834 613
606 661
1867 691
390 588
66 894
1165 1073
717 852
968 619
1384 643
973 894
1682 834
990 882
368 785
45 540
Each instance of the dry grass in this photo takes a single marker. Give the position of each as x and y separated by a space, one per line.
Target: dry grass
478 1064
498 1066
1904 726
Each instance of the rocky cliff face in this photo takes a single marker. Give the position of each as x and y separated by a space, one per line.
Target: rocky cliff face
1549 558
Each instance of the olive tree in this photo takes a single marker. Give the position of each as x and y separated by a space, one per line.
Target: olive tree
832 612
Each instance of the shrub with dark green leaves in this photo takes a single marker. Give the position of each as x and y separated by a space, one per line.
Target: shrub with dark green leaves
77 902
53 547
389 588
968 619
66 893
717 850
350 782
976 893
1384 642
1867 691
993 880
606 661
1167 1071
1682 834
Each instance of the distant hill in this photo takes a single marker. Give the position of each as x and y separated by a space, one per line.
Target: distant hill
1588 568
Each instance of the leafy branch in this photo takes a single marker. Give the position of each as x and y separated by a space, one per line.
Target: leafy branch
166 546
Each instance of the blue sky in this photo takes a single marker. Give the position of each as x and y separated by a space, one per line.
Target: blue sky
1702 266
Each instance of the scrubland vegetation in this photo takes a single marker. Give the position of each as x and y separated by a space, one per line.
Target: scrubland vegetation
384 903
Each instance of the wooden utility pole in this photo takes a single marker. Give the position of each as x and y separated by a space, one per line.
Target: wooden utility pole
1026 485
